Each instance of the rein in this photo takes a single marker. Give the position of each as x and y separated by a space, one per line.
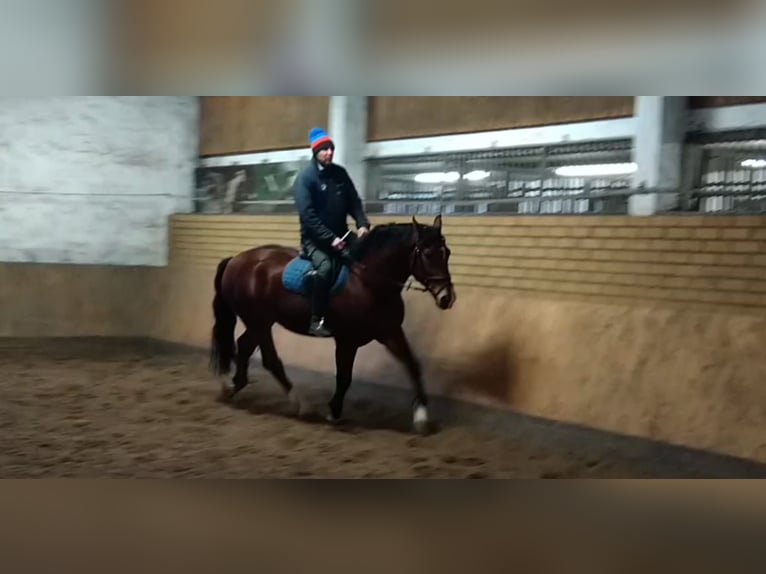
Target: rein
407 286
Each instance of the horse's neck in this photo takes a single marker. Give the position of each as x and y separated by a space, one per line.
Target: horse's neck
388 268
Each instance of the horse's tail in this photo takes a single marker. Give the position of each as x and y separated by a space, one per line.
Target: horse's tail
222 348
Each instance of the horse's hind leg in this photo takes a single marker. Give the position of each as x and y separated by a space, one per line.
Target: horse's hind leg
246 346
273 364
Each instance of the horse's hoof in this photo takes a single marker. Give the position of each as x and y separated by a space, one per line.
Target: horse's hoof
300 406
420 422
339 423
227 392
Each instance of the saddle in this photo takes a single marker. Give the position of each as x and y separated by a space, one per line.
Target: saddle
298 276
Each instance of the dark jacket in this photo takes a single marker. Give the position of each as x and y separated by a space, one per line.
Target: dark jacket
325 198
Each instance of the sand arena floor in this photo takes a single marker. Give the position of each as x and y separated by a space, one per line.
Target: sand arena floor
117 408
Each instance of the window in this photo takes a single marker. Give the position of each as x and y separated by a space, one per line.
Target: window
247 188
729 175
536 180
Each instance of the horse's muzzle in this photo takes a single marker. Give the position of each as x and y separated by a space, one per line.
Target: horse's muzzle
446 297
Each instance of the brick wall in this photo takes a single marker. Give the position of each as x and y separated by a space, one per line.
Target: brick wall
701 262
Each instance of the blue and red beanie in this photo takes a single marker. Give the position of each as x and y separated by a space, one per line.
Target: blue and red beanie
320 140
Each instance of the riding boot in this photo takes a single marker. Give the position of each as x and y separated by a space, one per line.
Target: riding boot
319 305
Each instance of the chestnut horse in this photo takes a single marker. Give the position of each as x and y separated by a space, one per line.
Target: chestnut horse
369 308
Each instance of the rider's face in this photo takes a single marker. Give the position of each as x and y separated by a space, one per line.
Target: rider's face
325 156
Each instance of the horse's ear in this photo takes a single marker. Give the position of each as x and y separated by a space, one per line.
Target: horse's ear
438 222
415 230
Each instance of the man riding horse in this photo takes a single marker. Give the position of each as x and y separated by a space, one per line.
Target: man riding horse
265 286
325 196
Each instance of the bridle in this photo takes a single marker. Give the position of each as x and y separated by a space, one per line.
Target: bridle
428 282
443 280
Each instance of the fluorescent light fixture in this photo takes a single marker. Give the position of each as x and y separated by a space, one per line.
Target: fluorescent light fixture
451 176
478 175
597 170
754 163
437 177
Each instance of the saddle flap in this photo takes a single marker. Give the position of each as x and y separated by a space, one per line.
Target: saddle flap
298 273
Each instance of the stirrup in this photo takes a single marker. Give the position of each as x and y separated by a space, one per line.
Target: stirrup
318 329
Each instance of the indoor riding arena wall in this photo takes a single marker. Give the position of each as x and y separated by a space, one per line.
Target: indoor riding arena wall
652 327
59 300
698 102
394 117
87 185
92 180
243 124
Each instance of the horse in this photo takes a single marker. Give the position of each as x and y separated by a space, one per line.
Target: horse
269 285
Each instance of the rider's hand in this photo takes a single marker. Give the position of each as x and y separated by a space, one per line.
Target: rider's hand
362 232
338 244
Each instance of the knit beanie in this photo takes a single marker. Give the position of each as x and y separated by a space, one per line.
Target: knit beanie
320 140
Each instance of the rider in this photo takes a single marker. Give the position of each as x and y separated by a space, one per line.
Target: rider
325 196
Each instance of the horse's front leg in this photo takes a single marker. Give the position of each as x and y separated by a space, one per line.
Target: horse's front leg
345 355
399 347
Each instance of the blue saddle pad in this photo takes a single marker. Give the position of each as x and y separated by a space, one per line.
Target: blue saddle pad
294 277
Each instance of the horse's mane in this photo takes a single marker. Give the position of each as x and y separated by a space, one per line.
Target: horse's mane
381 237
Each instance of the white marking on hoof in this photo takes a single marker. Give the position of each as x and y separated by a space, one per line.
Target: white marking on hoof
420 419
298 402
227 387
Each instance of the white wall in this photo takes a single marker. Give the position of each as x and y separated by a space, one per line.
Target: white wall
93 179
